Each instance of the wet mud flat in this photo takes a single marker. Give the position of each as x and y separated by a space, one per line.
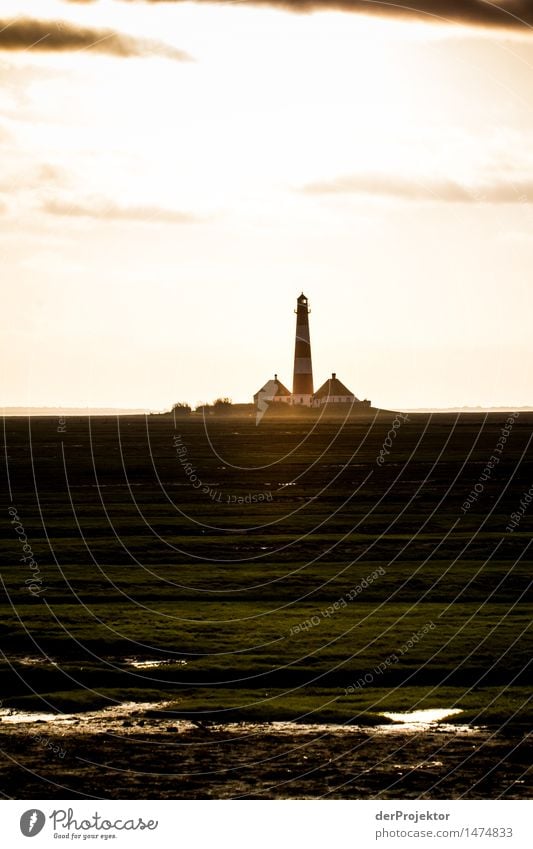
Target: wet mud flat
135 753
353 588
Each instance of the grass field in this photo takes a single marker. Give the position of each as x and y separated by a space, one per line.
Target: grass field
272 566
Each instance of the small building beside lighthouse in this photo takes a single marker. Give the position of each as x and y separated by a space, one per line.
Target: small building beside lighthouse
273 392
334 392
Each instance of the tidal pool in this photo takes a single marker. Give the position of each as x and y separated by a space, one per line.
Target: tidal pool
422 718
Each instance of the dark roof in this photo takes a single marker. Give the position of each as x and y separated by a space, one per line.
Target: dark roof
273 388
332 387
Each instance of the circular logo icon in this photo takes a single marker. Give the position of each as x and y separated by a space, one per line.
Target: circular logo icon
32 822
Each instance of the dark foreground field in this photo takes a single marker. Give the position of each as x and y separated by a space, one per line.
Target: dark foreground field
232 573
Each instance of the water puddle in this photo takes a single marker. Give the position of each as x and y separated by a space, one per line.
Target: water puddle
153 664
420 719
103 719
156 717
136 662
19 716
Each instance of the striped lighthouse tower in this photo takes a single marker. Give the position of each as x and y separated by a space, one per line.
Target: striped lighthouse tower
302 387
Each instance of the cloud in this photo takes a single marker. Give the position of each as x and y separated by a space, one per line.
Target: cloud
31 177
391 186
506 13
53 36
109 210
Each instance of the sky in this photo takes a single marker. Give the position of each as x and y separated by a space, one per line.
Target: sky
174 174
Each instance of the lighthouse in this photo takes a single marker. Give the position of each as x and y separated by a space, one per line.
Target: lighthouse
302 387
333 395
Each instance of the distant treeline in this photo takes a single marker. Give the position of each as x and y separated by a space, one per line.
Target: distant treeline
220 407
225 407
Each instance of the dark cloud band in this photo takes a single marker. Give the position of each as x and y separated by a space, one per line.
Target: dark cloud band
507 13
53 36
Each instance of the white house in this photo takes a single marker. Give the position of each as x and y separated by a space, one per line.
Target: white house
273 392
333 392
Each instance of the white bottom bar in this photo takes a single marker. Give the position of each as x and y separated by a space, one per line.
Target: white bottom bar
313 824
